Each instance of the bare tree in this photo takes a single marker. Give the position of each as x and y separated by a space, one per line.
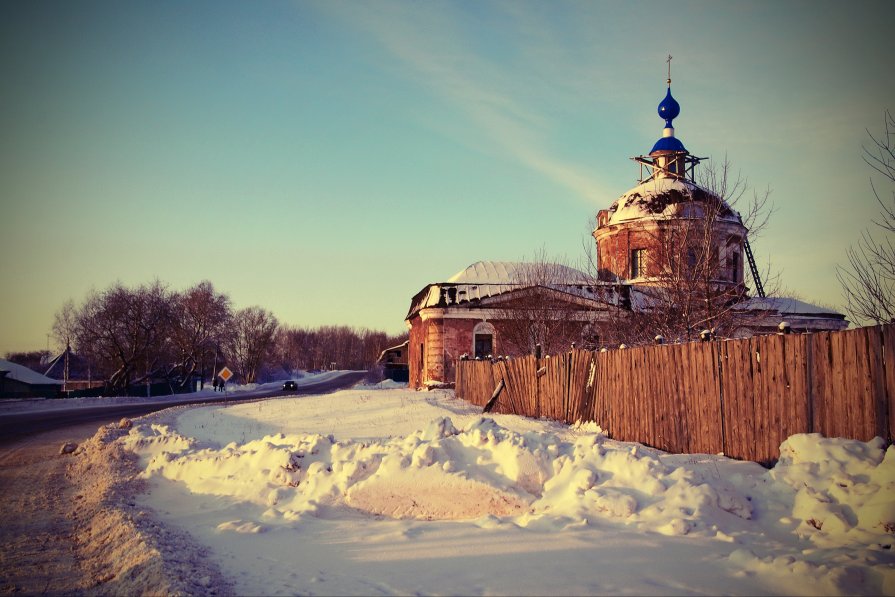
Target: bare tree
64 328
543 308
200 316
868 281
126 331
697 259
65 324
250 341
616 324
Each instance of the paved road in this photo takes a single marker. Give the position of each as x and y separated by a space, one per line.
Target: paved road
38 548
16 426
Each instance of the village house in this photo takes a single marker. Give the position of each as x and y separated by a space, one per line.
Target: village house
649 244
18 381
73 371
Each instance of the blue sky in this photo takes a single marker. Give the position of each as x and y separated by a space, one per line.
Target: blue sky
327 160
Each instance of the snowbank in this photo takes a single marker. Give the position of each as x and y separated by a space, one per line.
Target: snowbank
390 466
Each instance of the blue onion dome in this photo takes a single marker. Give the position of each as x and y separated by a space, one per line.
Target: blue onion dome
669 108
668 144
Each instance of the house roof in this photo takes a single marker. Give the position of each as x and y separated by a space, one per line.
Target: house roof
78 367
486 279
403 345
25 375
516 272
787 306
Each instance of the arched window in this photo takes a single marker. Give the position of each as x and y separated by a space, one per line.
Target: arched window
483 340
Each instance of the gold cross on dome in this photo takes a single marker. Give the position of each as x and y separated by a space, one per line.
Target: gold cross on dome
669 68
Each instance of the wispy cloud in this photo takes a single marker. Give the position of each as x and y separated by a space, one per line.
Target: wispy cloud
435 46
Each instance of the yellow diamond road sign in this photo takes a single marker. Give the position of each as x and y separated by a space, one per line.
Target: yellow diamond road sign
225 374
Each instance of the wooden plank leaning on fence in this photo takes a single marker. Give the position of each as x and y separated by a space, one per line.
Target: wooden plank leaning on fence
580 394
491 401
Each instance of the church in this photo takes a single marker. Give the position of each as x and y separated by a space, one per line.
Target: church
670 267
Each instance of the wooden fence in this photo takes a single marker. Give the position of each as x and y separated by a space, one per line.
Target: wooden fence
740 397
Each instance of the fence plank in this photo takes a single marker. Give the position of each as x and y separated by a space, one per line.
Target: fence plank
694 404
876 379
655 360
798 378
777 395
690 389
601 390
766 390
686 432
888 369
841 373
730 404
820 382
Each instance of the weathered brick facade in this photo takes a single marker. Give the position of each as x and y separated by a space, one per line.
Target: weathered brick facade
438 342
617 242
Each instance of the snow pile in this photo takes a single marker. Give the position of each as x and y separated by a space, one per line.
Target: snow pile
441 472
120 547
366 477
592 481
385 384
435 473
845 490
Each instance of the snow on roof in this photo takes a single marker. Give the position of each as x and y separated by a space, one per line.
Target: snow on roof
663 198
513 272
784 306
25 375
402 345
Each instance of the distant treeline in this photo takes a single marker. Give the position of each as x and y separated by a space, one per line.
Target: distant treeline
128 335
340 346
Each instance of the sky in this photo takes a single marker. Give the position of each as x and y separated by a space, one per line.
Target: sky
327 160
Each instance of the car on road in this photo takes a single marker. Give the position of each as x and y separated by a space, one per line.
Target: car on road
290 385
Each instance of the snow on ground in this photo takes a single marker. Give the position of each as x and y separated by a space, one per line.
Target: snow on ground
391 491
